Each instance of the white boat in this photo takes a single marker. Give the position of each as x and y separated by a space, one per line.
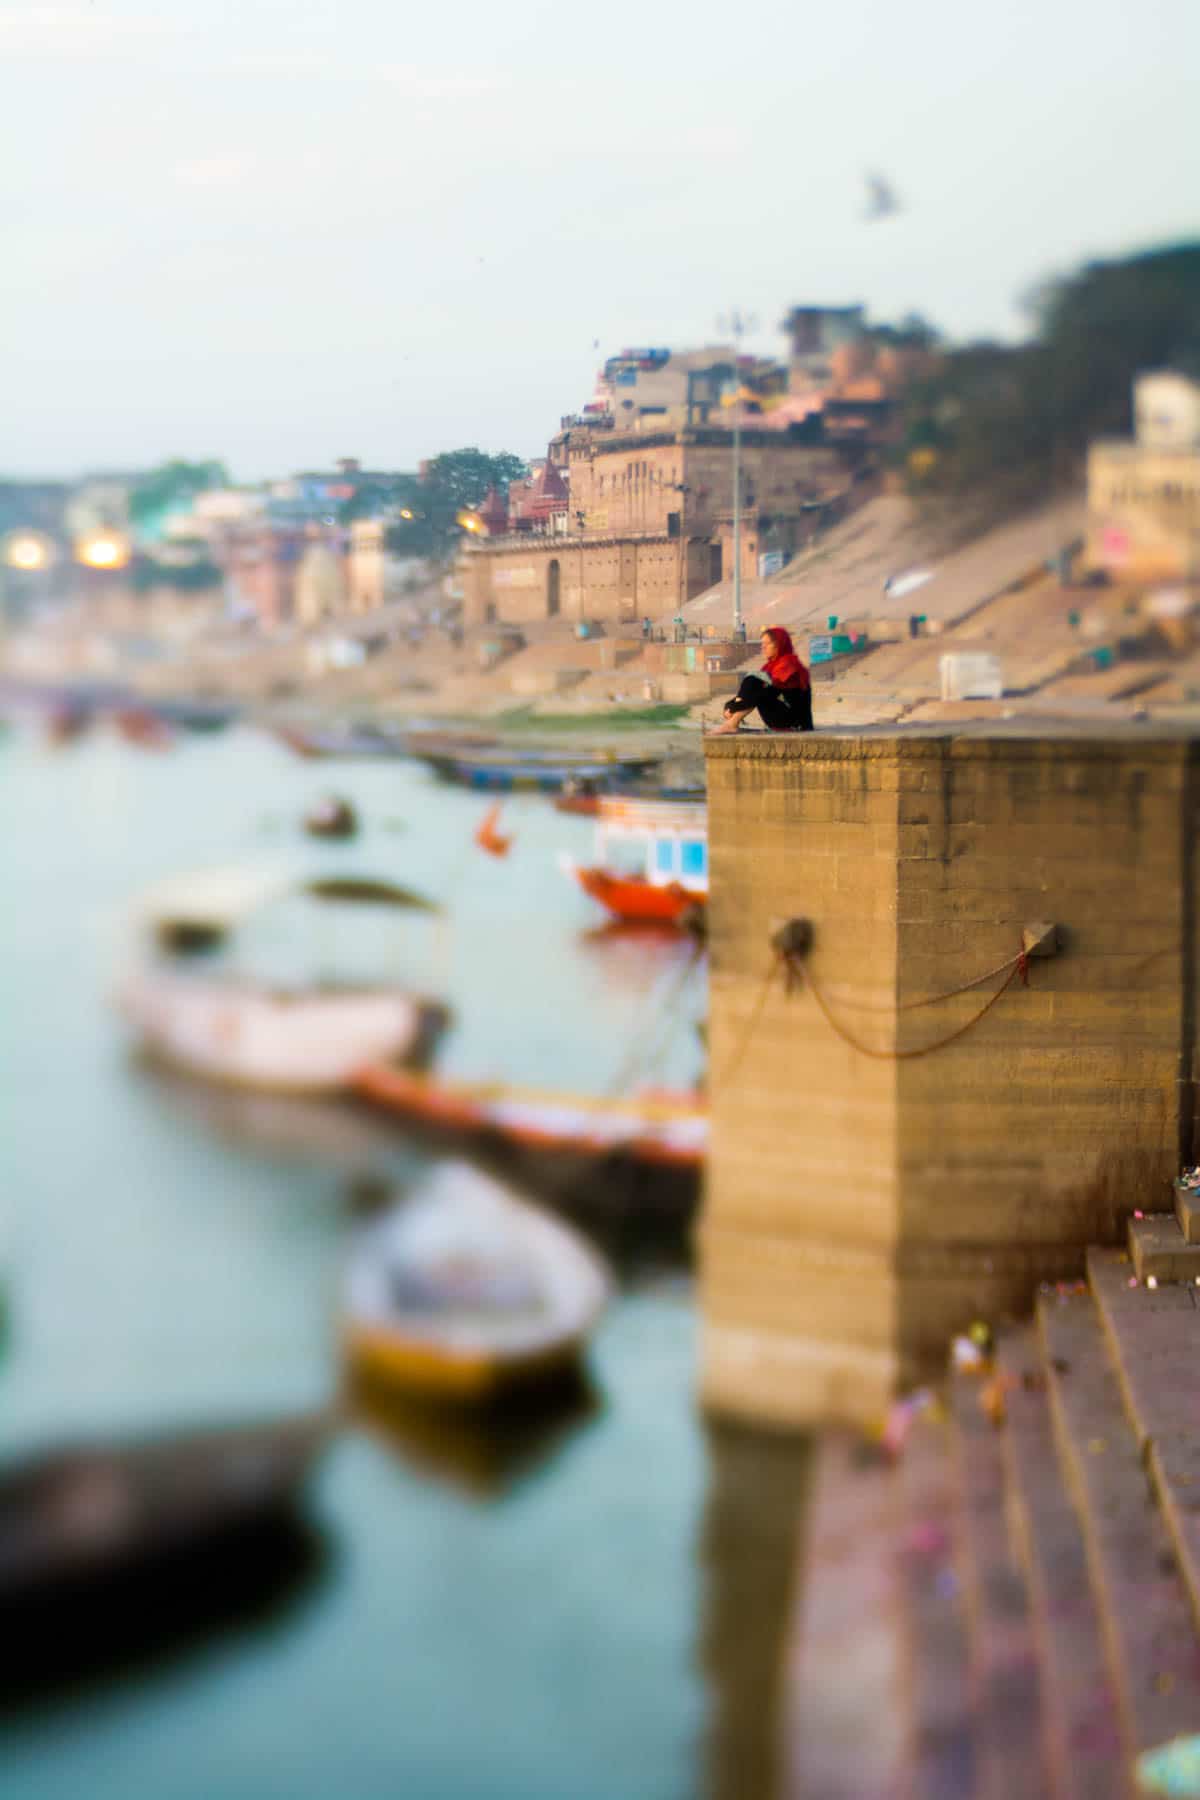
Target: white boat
202 909
650 865
226 1027
463 1292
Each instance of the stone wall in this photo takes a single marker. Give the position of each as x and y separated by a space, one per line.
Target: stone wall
864 1205
626 484
615 580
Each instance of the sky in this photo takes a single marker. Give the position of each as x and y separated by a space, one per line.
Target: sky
284 231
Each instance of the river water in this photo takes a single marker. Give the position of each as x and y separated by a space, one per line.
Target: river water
598 1616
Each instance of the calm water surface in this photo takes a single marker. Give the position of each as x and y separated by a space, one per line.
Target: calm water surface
601 1619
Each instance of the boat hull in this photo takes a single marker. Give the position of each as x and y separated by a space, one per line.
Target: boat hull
255 1037
634 900
438 1342
530 774
428 1372
665 1134
73 1513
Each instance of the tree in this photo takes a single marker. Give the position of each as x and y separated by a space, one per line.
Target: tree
462 477
1111 321
450 484
998 427
171 487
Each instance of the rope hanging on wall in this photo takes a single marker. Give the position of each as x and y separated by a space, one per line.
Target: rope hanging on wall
1019 966
791 944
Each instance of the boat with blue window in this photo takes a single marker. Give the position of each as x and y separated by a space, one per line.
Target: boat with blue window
651 861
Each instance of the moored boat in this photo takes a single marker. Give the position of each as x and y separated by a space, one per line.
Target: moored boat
201 909
197 715
663 1131
79 1513
462 1292
533 771
650 864
306 1039
353 741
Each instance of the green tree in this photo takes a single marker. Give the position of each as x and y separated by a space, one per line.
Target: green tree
998 427
171 486
451 483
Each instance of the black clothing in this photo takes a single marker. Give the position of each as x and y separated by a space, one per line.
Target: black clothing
780 709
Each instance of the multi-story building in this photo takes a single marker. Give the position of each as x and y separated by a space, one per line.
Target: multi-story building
648 522
658 390
1144 494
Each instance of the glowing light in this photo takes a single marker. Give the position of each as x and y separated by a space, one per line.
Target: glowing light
469 522
105 551
405 513
26 553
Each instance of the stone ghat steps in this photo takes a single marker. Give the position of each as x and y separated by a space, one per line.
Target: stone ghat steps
1037 1552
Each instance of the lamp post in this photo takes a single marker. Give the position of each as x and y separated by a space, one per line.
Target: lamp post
581 522
737 324
682 489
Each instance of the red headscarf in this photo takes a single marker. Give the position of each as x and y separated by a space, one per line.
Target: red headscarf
784 670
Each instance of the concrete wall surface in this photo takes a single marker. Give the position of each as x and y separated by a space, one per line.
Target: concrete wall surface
873 1188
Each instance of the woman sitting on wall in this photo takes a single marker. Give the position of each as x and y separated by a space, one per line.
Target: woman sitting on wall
782 694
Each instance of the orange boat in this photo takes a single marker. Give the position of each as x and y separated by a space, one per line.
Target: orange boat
666 1131
635 901
651 860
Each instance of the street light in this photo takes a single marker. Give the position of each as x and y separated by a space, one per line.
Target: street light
581 522
103 550
737 324
28 552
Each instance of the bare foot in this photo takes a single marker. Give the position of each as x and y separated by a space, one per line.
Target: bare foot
730 725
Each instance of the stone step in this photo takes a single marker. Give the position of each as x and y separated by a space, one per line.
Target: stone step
940 1757
1085 1751
1004 1651
1160 1251
1153 1338
1149 1632
1187 1211
843 1726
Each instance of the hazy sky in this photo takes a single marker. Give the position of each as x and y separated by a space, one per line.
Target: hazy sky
281 231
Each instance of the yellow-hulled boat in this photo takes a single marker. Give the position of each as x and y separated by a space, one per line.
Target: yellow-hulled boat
463 1293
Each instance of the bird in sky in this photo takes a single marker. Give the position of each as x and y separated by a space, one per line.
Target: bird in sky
882 199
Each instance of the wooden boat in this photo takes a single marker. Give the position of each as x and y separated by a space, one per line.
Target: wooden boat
354 741
310 1039
226 1026
482 1452
664 1131
585 804
75 1514
531 771
141 726
650 862
633 900
197 715
199 910
333 816
424 743
464 1293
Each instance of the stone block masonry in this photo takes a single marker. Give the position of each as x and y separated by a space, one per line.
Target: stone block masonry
865 1202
